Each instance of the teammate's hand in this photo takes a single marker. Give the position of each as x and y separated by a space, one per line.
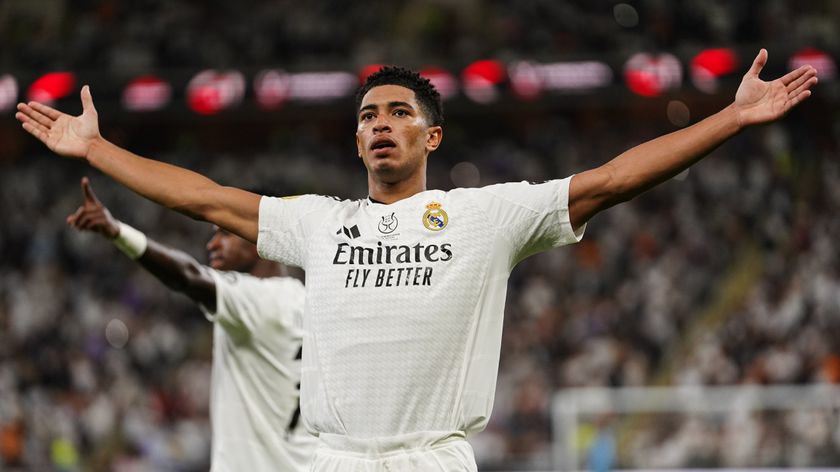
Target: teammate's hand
93 216
69 136
758 101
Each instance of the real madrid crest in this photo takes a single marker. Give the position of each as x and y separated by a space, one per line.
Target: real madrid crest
435 218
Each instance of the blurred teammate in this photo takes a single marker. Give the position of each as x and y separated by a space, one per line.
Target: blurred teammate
256 339
406 288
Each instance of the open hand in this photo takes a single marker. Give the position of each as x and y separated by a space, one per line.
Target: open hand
758 101
93 216
69 136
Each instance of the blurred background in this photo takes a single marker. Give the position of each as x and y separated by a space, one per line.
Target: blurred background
697 326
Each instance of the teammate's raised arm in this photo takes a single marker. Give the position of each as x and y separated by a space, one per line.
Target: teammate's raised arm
176 269
655 161
176 188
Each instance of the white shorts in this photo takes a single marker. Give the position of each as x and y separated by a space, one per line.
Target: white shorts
423 452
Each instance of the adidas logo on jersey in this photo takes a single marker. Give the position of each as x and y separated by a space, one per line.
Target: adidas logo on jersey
352 232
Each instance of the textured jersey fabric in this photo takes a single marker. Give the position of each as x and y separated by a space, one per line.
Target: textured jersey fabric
405 301
256 371
411 452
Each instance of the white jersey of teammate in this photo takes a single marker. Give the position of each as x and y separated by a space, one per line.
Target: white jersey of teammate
404 302
256 375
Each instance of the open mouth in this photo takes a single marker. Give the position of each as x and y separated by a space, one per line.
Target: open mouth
382 146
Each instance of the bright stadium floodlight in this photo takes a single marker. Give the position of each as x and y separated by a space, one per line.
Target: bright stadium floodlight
51 87
146 93
482 79
709 65
8 92
212 91
649 75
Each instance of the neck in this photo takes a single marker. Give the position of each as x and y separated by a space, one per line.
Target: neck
387 192
265 268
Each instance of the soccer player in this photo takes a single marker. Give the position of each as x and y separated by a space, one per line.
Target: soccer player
256 314
406 288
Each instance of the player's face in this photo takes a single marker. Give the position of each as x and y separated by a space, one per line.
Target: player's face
228 251
393 136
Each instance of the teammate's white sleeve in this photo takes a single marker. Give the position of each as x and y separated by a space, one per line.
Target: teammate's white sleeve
243 302
282 234
533 217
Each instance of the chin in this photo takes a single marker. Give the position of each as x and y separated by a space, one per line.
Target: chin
388 172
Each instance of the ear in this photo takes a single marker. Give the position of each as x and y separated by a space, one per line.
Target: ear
434 137
358 145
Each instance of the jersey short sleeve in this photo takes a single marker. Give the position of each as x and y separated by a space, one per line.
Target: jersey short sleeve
283 229
244 304
533 217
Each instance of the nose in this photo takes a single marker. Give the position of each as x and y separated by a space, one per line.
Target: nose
213 243
381 124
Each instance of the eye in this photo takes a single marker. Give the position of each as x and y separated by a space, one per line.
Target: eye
367 116
400 113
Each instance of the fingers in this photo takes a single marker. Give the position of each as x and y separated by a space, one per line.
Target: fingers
793 78
87 191
35 130
797 99
85 221
50 112
804 85
758 63
34 115
72 219
87 100
27 116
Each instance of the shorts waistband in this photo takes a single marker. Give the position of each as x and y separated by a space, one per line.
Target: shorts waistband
383 446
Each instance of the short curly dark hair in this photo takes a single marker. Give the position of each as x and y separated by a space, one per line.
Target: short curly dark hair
427 95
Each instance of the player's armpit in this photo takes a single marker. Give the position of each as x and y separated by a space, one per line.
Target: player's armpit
232 209
590 192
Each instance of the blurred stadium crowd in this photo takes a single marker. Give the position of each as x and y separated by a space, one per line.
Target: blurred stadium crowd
141 36
102 369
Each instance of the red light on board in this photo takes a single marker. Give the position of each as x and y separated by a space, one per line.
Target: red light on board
146 93
825 64
272 88
710 64
481 80
526 80
369 70
649 75
443 81
51 87
212 91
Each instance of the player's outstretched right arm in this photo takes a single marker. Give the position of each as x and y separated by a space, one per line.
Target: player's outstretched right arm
179 189
176 269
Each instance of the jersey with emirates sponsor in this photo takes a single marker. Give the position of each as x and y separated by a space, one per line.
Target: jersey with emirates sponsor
404 302
256 372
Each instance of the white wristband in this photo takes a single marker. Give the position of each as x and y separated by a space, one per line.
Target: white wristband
130 241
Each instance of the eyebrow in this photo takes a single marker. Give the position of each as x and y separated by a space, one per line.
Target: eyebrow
373 106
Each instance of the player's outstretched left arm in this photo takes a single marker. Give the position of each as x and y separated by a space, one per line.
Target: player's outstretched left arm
176 269
182 190
655 161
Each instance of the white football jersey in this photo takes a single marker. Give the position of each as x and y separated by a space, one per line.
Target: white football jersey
404 302
256 375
